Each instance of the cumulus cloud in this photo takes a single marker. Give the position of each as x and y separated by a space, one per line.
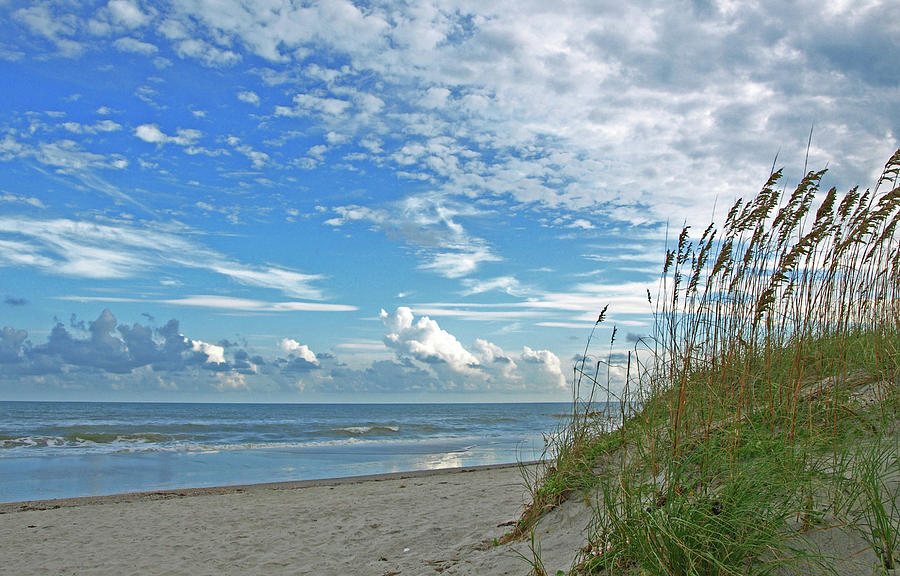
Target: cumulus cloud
12 345
486 367
107 347
164 359
208 53
486 102
425 340
58 28
519 95
152 134
292 347
547 362
214 354
587 116
231 381
126 13
249 97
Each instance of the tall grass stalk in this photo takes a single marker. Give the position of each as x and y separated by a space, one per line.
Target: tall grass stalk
763 328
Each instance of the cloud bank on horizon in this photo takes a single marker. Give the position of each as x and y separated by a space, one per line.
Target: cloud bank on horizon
487 175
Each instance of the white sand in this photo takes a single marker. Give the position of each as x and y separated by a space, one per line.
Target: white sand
420 523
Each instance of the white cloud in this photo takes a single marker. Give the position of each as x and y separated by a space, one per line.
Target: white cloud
30 200
288 281
579 305
17 253
58 28
214 354
249 305
99 127
276 32
554 137
306 104
425 341
559 108
223 303
430 223
231 381
10 148
135 46
126 13
434 97
209 54
494 360
362 345
582 224
354 213
68 156
486 367
479 313
152 134
120 250
249 97
507 284
291 346
459 263
257 158
546 362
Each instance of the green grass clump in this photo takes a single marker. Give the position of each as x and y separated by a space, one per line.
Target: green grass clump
775 355
880 507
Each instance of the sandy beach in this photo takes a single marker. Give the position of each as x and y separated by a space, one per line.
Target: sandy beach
407 523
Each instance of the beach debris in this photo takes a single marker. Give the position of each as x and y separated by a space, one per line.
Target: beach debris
441 565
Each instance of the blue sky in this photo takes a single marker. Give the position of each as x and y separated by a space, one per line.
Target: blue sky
383 201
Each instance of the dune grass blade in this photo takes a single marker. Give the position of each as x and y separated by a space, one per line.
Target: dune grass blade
738 420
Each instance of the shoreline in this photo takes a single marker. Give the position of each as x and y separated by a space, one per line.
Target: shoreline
55 503
445 521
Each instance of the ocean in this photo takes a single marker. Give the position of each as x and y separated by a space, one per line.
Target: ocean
67 449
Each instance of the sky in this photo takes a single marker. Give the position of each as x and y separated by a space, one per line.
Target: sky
284 201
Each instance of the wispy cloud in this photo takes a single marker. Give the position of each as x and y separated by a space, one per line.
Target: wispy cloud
431 224
118 250
126 44
224 303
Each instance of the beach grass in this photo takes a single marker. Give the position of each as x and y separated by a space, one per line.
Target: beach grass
762 407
